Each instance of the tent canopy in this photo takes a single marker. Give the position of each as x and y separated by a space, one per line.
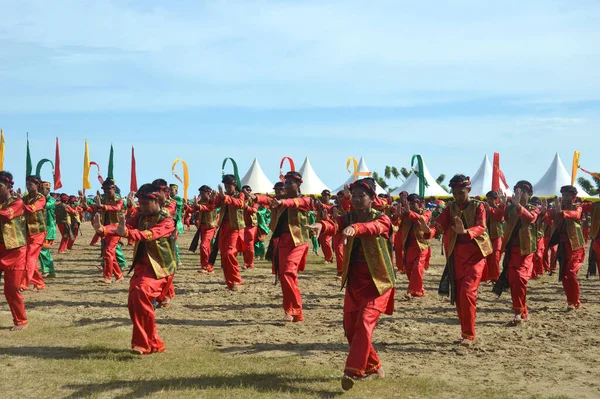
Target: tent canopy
555 177
411 185
311 183
256 178
481 182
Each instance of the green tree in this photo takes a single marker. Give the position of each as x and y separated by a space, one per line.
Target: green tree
588 186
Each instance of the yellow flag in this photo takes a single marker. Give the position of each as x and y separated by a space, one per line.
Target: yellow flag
2 150
575 166
186 176
86 168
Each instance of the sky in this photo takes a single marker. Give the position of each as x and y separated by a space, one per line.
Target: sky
327 79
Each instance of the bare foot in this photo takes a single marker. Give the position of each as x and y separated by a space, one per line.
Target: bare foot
137 351
288 318
467 343
119 279
105 281
164 303
377 375
20 327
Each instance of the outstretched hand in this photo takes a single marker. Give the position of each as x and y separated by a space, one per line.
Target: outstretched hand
459 227
97 224
122 229
316 227
424 226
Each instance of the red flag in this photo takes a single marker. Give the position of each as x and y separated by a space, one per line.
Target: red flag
133 183
496 173
57 182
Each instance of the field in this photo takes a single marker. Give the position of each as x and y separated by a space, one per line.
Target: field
232 344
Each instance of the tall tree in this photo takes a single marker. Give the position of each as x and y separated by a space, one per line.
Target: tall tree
588 186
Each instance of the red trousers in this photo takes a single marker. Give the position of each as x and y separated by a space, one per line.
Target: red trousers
206 236
569 281
469 264
399 251
71 242
491 272
64 240
249 238
586 233
111 266
228 238
338 246
144 287
596 249
325 244
538 259
12 264
519 272
415 268
549 255
292 259
168 289
428 258
33 275
362 306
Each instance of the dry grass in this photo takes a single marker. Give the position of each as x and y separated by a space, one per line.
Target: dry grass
222 344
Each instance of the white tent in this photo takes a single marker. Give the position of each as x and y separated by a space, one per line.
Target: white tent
411 185
362 167
257 180
481 182
311 183
555 177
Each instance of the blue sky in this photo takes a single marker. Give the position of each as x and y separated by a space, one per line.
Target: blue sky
205 80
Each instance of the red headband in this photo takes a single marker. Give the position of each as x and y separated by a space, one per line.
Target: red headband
464 183
363 185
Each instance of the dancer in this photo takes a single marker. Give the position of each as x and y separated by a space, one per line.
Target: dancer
154 261
368 274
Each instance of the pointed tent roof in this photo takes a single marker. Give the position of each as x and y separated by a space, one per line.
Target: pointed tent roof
311 183
481 182
411 185
555 177
256 178
362 167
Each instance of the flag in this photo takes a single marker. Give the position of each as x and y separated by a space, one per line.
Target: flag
86 168
57 182
109 174
576 156
496 173
28 166
133 182
2 150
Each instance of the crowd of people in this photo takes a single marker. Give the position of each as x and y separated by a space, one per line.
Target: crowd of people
501 242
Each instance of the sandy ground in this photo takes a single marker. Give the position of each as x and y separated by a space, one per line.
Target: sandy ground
558 352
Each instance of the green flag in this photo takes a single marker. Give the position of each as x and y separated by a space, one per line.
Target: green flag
28 166
110 164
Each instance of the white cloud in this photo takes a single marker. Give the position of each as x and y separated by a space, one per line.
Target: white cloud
312 53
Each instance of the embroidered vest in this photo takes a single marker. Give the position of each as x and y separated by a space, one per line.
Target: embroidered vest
574 231
110 217
234 215
161 252
14 231
406 226
469 217
62 216
297 222
207 218
527 232
378 254
36 221
251 216
495 228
